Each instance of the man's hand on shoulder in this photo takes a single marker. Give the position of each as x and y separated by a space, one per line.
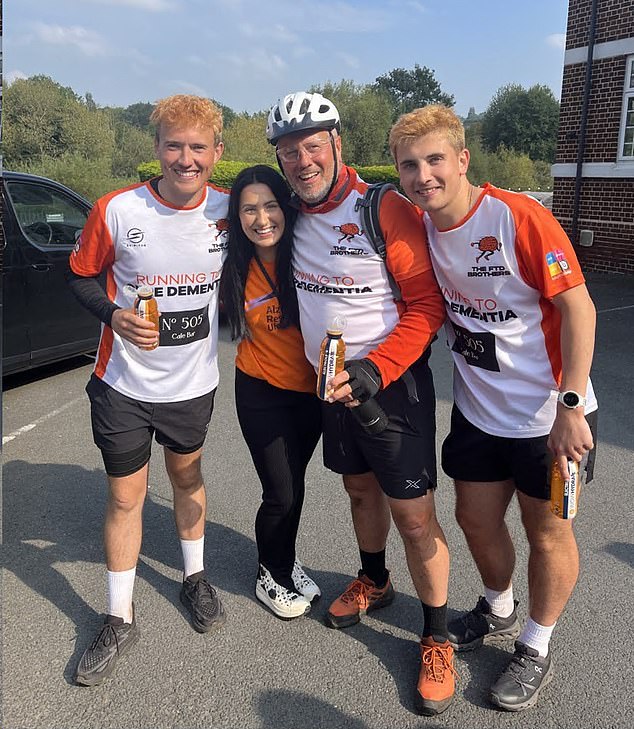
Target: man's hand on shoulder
128 325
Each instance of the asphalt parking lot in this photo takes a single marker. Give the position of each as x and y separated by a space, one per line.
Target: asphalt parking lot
259 672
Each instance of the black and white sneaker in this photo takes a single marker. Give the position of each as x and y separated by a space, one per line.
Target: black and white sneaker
520 683
203 603
286 604
480 626
304 584
99 660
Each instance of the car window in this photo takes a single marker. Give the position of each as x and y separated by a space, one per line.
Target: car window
47 217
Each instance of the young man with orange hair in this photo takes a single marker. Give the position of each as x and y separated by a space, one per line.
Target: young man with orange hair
168 234
520 324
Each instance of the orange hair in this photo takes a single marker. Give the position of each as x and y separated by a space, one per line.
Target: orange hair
434 118
188 110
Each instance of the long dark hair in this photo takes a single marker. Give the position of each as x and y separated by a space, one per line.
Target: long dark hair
242 250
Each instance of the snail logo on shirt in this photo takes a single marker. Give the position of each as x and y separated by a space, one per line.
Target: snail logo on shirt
134 238
222 231
557 264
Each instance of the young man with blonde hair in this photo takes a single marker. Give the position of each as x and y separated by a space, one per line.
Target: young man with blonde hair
168 234
521 330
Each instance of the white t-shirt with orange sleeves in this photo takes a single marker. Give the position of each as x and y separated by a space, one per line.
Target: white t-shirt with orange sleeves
338 272
498 270
138 238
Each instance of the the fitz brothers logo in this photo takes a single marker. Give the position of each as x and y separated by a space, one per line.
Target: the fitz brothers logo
220 241
487 246
347 232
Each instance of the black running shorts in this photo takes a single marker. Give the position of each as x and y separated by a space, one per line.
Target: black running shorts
469 454
123 427
403 456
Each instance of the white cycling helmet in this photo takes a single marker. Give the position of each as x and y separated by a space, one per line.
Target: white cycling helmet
300 111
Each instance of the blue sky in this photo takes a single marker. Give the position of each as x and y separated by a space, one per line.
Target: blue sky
247 53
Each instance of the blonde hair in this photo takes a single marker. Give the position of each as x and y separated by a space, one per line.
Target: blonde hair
188 110
434 118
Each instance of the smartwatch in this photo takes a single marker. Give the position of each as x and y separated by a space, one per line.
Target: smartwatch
571 399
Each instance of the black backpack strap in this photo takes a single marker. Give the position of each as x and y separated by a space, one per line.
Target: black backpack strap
369 205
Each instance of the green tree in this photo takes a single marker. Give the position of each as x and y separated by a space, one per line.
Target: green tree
365 120
245 140
44 119
525 120
138 115
409 89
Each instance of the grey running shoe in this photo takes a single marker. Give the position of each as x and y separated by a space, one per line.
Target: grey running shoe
203 603
100 658
480 626
520 683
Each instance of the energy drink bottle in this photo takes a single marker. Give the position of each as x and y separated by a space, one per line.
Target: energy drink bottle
332 355
564 489
146 307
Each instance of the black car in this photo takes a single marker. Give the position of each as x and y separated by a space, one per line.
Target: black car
42 320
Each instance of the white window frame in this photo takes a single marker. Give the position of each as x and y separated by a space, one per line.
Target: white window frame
628 98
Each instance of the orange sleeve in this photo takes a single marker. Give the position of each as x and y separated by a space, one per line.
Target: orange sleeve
94 250
422 308
545 255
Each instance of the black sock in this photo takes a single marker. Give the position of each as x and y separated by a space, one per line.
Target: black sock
435 622
373 565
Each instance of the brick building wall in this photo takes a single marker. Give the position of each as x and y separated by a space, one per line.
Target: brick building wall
607 203
615 20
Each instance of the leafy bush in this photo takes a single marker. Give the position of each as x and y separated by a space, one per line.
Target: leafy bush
224 172
378 173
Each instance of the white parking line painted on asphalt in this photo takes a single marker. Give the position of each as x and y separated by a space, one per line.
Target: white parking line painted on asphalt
616 308
35 423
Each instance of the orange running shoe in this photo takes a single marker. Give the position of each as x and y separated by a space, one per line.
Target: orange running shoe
361 596
437 680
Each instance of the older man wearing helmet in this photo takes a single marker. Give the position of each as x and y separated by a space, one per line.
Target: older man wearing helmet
392 473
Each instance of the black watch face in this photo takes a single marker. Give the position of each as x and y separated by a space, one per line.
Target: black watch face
571 399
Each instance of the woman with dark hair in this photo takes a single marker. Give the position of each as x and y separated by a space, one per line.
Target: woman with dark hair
277 408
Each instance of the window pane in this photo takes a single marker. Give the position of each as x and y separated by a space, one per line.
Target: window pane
632 74
47 216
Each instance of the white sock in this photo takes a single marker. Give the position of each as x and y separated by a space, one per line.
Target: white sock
193 555
537 636
120 588
501 603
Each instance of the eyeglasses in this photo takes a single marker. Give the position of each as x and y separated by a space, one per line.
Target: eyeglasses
312 149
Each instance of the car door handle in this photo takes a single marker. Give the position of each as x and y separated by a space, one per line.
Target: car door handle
42 266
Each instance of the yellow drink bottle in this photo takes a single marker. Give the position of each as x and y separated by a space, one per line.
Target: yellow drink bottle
146 307
564 489
332 356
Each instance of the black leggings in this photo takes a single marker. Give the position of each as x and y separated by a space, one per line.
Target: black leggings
281 429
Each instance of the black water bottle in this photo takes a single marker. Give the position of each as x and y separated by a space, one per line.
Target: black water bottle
370 416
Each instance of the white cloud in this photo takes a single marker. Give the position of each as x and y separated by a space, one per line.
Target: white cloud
348 59
258 62
154 6
417 7
188 87
87 41
277 33
13 75
557 40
